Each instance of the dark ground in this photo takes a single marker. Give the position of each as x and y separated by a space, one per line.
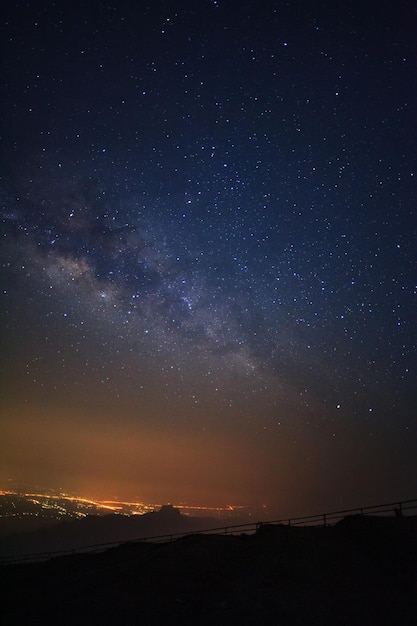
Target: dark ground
361 572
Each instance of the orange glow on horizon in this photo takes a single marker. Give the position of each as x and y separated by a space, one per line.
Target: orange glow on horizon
120 505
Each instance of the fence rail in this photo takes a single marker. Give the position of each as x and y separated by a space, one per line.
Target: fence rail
322 519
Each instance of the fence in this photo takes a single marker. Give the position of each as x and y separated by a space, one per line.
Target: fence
322 519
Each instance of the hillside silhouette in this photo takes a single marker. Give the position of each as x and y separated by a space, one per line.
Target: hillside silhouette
93 530
360 572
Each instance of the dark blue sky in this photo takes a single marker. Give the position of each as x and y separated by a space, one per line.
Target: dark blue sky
209 260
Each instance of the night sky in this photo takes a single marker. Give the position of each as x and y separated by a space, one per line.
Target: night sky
209 251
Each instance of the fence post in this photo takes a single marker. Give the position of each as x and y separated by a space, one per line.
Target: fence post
399 511
324 519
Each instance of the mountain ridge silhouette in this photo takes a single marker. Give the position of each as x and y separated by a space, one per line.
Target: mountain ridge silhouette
359 572
93 530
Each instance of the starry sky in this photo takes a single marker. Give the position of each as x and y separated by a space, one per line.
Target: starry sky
208 260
